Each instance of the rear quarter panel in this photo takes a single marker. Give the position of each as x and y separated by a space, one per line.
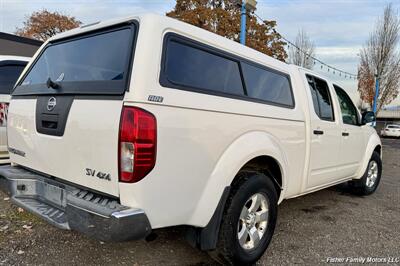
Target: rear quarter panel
199 153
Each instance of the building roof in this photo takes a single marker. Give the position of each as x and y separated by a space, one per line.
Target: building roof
15 38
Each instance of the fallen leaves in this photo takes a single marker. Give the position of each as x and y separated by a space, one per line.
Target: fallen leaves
28 227
3 228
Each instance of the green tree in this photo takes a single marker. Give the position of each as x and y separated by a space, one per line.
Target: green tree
223 18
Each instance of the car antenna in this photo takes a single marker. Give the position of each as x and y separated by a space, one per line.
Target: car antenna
52 84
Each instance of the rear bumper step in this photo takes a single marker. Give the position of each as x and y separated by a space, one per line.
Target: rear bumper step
71 208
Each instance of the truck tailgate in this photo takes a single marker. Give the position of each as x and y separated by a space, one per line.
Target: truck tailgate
85 154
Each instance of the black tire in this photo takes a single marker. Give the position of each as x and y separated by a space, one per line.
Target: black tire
360 187
229 250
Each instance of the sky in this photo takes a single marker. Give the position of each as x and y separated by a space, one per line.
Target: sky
338 28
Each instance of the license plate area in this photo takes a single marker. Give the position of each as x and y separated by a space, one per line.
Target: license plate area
43 191
54 195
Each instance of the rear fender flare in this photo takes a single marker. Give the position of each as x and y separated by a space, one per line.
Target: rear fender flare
240 151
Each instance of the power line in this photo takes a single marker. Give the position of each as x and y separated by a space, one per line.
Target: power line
316 60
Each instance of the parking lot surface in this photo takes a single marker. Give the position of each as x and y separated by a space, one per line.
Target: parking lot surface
327 224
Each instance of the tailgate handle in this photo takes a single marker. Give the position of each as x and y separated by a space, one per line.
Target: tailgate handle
52 122
49 121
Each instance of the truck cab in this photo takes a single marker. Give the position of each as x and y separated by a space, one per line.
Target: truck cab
339 134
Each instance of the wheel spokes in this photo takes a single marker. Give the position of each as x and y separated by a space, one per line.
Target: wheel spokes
254 236
255 203
243 235
244 213
253 221
262 216
372 174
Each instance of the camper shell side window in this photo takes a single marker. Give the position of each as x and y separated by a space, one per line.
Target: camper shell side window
193 66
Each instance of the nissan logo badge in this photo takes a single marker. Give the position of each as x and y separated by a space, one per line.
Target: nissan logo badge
51 103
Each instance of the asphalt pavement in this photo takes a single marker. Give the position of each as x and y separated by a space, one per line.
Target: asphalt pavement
327 226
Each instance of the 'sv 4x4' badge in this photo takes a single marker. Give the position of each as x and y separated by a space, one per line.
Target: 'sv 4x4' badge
101 175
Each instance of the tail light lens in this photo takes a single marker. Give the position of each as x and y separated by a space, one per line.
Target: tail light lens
137 144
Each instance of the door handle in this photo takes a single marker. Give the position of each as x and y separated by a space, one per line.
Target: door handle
345 134
318 132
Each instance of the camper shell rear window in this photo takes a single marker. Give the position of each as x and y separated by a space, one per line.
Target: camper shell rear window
92 63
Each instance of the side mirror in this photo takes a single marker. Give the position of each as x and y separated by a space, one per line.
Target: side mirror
368 117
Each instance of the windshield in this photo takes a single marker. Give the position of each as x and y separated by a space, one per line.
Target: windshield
103 57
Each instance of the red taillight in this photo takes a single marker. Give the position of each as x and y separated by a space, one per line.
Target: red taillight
3 114
137 144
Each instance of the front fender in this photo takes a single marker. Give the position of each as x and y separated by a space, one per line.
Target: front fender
373 142
248 146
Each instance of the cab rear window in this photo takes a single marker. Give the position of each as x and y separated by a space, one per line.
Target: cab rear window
90 64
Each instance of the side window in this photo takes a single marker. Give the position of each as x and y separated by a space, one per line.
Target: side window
314 94
321 98
189 66
194 66
8 76
349 111
266 85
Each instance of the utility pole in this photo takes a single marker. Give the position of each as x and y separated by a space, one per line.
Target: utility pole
376 95
246 5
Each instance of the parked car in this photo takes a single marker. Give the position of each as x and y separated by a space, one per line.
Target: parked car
391 130
135 124
10 69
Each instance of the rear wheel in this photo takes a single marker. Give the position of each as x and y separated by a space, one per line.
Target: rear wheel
248 222
371 178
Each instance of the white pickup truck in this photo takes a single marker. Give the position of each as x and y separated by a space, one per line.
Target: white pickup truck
125 126
10 69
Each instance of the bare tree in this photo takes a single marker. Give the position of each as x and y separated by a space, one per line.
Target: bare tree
381 57
303 56
359 104
366 81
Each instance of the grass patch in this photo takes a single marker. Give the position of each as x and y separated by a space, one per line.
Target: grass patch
23 216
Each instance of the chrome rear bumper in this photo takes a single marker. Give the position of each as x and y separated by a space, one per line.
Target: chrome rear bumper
68 207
